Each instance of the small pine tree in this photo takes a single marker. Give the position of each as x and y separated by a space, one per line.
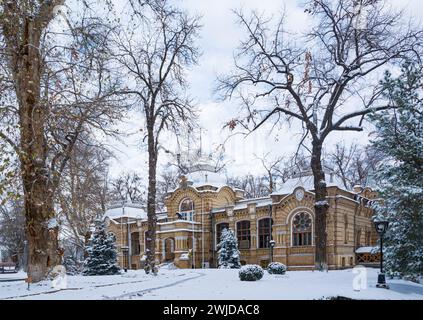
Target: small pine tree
228 253
102 254
400 138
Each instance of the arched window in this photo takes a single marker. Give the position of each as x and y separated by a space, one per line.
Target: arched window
264 232
135 243
301 229
219 229
186 209
243 234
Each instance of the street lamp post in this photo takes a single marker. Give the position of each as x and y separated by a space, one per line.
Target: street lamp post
381 228
272 245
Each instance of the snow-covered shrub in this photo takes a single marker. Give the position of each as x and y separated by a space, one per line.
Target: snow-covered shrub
276 268
228 253
251 272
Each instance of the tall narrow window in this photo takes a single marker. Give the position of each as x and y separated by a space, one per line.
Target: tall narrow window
243 234
186 209
358 238
219 229
135 243
301 230
264 232
368 238
190 243
345 229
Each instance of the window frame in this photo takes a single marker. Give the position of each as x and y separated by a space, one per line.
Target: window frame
245 233
187 215
268 228
135 243
298 238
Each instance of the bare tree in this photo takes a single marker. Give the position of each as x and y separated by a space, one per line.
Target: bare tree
128 186
254 186
354 164
275 170
82 193
153 52
168 181
61 88
325 79
341 159
12 230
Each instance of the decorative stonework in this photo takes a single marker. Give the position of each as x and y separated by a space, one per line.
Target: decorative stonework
299 193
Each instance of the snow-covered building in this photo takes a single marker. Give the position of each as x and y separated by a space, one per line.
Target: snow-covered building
203 205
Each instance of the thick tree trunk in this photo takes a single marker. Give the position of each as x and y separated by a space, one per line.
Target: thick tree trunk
38 197
320 208
151 204
270 183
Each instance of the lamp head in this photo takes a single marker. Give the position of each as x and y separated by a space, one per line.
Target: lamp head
381 227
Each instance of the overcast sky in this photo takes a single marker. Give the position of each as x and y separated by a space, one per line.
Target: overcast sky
219 38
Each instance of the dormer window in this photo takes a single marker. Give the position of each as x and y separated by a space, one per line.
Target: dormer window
186 210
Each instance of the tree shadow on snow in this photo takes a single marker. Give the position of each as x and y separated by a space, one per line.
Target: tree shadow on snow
405 288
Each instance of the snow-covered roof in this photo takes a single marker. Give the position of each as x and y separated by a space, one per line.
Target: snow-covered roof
243 204
366 250
204 177
130 210
307 182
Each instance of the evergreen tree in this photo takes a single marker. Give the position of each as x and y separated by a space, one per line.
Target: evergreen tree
102 254
400 137
228 253
72 266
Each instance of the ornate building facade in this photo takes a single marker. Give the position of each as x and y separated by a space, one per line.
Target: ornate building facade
279 227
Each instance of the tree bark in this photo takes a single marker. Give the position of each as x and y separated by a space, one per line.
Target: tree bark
38 197
320 208
151 203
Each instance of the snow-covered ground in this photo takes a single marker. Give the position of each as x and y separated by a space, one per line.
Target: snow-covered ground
207 284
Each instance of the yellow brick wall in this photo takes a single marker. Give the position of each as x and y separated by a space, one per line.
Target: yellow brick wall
342 209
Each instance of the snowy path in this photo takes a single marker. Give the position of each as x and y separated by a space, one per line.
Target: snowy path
96 287
142 292
213 284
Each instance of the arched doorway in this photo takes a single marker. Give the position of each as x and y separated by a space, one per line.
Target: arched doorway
169 249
